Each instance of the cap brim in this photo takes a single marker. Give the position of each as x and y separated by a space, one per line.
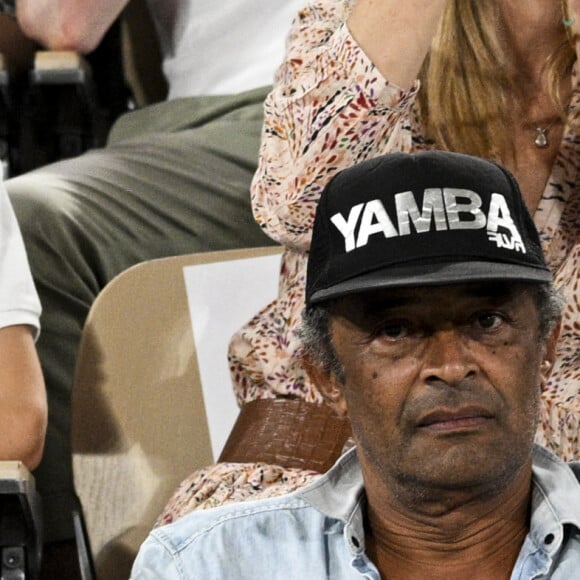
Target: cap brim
437 274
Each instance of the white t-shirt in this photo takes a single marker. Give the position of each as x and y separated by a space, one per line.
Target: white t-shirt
220 47
19 302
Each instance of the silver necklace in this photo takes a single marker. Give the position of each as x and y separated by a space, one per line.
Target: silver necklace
541 137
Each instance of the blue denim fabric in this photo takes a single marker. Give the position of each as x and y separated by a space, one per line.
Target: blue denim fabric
318 533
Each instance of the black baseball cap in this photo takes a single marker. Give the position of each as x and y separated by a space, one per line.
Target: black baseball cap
423 219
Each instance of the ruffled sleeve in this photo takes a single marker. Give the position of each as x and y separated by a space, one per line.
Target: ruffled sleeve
330 108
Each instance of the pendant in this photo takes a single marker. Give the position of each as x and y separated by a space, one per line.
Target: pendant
541 140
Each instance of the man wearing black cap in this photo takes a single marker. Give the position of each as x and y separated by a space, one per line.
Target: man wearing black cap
431 321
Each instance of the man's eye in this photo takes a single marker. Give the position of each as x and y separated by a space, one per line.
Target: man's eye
489 320
393 331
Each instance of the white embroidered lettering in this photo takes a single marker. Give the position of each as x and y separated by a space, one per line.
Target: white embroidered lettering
505 241
407 212
499 216
447 208
455 209
374 220
347 227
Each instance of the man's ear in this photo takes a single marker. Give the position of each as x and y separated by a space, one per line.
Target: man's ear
327 384
550 353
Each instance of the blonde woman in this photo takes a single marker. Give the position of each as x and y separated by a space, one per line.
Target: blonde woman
496 79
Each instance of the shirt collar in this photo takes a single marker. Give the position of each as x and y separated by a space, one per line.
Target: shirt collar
337 493
555 484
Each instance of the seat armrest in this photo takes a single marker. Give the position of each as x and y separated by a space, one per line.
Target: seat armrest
55 67
61 116
65 67
20 523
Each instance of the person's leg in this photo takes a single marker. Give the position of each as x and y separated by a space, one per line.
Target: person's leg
178 189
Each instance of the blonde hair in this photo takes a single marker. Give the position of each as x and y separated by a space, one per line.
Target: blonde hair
466 93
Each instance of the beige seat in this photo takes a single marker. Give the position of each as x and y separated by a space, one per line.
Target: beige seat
139 424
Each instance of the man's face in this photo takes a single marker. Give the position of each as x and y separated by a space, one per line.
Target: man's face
441 384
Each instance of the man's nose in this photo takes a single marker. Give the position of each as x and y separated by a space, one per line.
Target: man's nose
448 358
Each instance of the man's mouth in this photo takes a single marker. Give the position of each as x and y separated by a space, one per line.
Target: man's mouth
465 418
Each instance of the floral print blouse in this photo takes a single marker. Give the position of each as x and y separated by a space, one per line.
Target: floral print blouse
329 109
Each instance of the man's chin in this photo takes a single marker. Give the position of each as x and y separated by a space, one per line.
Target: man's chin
466 466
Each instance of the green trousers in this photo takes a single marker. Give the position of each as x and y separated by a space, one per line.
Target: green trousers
174 178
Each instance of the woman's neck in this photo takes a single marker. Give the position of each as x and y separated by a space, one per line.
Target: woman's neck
534 33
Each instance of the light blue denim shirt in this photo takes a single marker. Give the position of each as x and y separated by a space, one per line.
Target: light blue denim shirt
317 533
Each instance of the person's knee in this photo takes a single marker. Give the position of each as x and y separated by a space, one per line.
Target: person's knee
42 210
51 234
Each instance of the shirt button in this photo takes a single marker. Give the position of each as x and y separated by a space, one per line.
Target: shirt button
549 539
355 541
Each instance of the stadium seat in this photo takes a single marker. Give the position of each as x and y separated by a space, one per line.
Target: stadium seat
141 418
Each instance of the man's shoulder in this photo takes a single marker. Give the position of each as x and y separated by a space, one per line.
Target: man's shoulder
200 525
200 541
332 495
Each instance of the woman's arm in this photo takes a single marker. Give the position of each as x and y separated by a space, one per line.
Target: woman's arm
23 408
68 24
396 35
333 106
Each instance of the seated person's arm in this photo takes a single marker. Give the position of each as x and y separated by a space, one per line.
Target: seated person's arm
68 24
333 106
346 81
396 35
23 407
